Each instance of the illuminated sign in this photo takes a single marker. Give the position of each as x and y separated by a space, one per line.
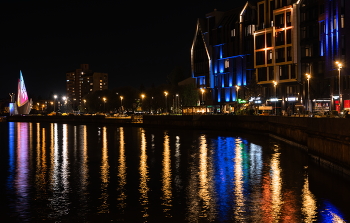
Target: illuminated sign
254 99
291 99
241 101
273 99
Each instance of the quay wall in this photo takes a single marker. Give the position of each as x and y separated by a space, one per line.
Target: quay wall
326 139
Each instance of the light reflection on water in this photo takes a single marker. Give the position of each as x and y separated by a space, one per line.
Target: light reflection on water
61 172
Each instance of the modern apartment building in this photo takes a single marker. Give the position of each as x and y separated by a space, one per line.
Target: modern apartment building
288 48
222 55
83 81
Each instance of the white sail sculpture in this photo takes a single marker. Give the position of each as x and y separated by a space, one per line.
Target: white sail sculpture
23 105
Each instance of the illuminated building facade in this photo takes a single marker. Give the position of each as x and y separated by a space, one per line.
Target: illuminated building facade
276 53
222 55
334 30
274 44
83 81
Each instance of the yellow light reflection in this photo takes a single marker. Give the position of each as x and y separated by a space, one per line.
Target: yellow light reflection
238 182
204 180
166 177
144 178
104 207
309 208
276 185
41 166
177 163
84 168
122 171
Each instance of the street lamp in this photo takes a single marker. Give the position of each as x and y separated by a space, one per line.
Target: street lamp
142 97
12 95
54 102
177 103
84 104
166 108
202 90
340 96
308 76
121 103
237 88
104 100
65 101
275 84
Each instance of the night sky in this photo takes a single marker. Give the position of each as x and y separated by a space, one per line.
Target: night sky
134 42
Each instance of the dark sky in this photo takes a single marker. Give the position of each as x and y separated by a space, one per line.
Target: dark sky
134 42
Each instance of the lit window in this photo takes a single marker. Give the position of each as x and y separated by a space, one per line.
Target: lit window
227 63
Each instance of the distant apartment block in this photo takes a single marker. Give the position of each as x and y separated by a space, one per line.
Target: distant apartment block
83 81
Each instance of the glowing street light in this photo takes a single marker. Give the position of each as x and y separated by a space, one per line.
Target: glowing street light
54 102
202 90
275 85
308 76
104 100
237 88
340 66
84 104
142 97
166 108
121 103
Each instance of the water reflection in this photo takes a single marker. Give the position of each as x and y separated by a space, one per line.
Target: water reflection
276 185
309 203
122 195
22 170
238 183
60 172
166 177
83 169
104 207
144 178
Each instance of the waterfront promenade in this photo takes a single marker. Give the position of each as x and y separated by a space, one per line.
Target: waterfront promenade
326 139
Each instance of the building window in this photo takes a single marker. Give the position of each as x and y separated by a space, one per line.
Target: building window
227 63
233 33
342 21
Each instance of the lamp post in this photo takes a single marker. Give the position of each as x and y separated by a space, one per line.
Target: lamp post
65 101
104 100
54 102
84 105
275 84
177 103
11 95
121 103
340 96
166 107
142 97
202 90
308 76
237 88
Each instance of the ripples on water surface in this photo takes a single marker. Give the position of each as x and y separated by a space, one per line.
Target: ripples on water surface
89 173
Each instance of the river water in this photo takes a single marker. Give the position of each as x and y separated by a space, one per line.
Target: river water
89 173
